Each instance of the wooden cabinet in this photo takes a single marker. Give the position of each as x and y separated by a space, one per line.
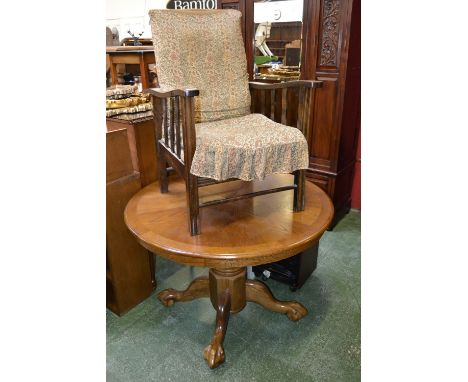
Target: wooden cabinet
129 277
331 52
131 165
333 55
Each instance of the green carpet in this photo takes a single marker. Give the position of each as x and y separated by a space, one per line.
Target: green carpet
155 343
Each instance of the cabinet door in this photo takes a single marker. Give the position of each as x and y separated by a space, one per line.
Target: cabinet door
322 139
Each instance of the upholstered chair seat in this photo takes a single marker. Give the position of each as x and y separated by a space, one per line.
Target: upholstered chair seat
248 148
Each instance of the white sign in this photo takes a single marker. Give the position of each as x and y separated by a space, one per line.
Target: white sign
192 4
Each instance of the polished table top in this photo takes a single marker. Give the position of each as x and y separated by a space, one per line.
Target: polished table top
252 231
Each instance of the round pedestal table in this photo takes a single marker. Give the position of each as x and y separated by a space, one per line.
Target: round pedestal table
234 235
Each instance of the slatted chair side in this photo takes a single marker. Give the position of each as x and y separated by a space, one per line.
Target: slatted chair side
280 105
168 121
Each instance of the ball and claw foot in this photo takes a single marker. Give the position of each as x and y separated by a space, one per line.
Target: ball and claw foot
167 297
214 355
259 293
296 311
198 288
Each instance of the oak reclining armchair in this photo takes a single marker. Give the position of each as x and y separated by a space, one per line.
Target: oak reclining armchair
202 110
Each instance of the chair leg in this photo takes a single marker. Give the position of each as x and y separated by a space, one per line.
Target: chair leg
162 170
193 206
299 194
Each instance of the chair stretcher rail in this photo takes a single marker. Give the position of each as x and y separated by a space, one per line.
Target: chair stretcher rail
245 196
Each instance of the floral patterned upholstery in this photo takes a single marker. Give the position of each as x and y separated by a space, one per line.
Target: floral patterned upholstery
249 147
204 49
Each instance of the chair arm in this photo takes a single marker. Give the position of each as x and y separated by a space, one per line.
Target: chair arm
174 119
171 92
288 84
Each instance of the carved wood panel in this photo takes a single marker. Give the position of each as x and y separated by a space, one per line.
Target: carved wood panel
330 34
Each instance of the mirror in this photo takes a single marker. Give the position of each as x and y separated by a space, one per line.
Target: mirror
277 39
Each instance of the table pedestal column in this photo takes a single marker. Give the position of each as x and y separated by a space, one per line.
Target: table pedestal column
229 291
231 280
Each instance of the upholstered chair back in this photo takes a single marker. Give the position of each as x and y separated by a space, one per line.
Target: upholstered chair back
203 49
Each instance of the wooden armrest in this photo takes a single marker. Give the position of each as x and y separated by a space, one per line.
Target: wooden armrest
287 84
166 92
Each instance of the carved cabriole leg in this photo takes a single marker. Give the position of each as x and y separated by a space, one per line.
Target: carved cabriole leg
258 292
198 288
227 294
214 352
299 191
229 291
